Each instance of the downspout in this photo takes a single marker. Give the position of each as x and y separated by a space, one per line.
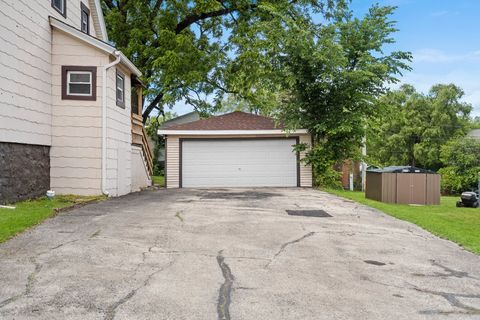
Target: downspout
104 120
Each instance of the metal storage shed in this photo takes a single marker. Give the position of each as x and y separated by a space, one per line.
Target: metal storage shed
403 184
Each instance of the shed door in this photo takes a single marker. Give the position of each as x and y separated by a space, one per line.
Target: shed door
411 188
239 163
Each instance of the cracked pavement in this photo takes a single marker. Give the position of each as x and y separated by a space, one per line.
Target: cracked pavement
234 254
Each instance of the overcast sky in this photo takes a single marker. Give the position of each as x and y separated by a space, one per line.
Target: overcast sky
444 37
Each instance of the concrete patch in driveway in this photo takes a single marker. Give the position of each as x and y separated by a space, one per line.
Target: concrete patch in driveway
235 255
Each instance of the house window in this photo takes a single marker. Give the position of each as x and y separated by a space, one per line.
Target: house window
79 83
84 19
120 85
60 6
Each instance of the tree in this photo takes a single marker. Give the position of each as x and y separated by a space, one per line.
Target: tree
476 122
462 160
232 103
332 80
199 50
413 126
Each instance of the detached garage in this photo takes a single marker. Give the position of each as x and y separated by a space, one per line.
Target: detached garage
234 150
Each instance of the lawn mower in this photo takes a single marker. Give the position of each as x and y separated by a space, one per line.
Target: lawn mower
469 199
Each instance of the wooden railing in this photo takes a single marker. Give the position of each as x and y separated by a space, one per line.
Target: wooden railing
139 137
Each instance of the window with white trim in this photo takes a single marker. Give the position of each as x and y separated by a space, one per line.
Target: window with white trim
79 83
120 89
60 6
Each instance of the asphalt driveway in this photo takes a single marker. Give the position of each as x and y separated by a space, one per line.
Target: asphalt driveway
234 254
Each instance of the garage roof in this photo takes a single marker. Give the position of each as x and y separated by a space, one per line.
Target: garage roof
237 122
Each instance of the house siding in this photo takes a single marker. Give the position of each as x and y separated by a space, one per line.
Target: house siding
75 155
173 157
119 137
25 68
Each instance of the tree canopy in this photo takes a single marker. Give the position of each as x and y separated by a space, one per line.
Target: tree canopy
199 50
333 78
413 126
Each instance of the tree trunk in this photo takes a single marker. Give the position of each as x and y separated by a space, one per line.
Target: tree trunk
151 106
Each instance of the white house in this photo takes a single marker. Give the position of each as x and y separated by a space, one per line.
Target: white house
70 104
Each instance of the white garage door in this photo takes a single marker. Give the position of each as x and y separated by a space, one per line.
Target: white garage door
239 163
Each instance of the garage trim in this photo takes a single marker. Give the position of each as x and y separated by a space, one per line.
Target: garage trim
181 140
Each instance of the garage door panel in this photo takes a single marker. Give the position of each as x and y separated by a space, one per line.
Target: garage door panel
230 163
228 172
238 182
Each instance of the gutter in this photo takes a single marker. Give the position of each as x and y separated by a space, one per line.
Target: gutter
104 120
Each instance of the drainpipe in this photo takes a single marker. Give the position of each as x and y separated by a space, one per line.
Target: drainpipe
104 121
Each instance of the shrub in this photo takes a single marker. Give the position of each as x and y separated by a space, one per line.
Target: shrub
462 160
329 178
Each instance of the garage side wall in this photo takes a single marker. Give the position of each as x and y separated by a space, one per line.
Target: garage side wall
306 174
172 162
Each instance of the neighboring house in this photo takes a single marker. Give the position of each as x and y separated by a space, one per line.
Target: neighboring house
70 104
186 118
234 150
475 133
347 168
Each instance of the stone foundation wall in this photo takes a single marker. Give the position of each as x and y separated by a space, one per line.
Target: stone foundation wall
24 171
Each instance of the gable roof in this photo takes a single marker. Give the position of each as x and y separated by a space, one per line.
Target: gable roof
236 120
97 43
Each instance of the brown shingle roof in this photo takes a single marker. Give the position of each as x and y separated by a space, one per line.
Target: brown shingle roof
231 121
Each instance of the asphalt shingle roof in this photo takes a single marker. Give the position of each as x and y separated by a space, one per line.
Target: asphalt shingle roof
237 120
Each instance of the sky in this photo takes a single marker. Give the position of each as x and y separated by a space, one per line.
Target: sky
444 38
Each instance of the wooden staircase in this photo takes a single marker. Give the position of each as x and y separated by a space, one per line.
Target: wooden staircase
139 138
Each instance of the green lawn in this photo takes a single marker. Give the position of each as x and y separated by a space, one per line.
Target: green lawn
159 180
32 212
461 225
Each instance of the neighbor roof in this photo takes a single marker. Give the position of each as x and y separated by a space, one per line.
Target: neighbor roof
231 121
185 118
